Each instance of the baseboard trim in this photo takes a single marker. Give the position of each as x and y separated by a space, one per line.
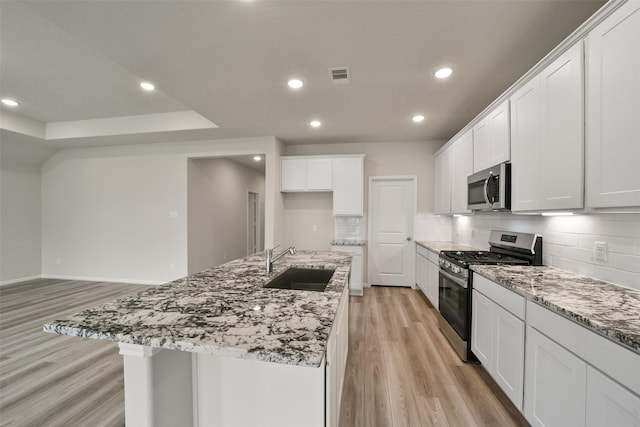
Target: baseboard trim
102 279
19 279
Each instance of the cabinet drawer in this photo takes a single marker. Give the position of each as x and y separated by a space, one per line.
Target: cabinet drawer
433 257
613 359
422 251
507 299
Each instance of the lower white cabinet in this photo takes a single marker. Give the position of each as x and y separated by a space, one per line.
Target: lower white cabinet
355 279
556 384
336 362
608 403
497 335
427 274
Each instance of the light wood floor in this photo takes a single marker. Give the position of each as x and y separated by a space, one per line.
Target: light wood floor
53 380
400 371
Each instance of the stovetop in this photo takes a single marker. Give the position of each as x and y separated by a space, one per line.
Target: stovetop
466 258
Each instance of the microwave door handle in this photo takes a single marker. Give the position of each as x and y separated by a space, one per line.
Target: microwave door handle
486 195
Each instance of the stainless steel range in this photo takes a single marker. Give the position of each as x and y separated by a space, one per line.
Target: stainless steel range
455 281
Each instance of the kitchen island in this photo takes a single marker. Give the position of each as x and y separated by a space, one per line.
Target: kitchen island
217 348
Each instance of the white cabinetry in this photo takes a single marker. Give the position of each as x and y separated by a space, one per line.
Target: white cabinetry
461 168
427 274
497 335
609 404
442 168
355 280
306 174
613 103
336 362
348 185
491 139
547 136
556 384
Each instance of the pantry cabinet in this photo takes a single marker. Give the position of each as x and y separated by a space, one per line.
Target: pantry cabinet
613 103
547 143
306 174
491 139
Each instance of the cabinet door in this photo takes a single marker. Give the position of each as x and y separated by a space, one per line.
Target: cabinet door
508 354
348 186
331 378
421 273
481 146
613 102
433 284
499 134
556 384
462 167
294 174
609 404
442 203
482 329
319 174
355 284
525 147
562 142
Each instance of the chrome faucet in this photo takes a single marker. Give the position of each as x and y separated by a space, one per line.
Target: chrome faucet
270 259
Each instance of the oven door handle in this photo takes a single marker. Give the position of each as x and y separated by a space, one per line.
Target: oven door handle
457 280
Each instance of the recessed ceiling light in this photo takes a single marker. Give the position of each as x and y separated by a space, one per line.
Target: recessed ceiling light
315 123
257 158
295 83
9 102
443 73
147 86
418 118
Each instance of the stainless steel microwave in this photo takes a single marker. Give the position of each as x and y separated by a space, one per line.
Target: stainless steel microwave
490 189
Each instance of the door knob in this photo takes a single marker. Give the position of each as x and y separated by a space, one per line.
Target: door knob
408 239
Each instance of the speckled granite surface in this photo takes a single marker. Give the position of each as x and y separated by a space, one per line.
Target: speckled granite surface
348 242
612 311
438 246
225 311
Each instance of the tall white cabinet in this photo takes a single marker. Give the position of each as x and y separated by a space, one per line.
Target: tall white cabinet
547 137
613 103
461 168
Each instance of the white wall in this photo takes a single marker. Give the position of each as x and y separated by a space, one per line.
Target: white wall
309 220
568 242
217 211
107 212
20 231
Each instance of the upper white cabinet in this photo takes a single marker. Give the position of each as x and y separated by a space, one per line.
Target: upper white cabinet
442 168
348 175
461 168
547 137
613 103
491 139
306 174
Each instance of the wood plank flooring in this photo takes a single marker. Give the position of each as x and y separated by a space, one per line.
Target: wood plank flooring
400 371
53 380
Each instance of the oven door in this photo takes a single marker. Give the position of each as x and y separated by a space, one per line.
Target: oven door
453 302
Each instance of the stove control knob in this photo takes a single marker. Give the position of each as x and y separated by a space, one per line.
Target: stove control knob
455 269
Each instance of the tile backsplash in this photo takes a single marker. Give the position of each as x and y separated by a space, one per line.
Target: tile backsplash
350 228
568 241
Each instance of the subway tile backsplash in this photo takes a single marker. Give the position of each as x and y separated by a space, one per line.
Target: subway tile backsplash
568 241
350 228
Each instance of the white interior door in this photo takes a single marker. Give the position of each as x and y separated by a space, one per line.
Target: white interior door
392 207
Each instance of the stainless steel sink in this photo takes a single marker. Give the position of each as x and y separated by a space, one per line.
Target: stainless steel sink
302 279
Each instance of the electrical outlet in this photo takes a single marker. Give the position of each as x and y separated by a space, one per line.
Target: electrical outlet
600 251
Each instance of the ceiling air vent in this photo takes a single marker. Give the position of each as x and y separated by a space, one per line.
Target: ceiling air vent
340 75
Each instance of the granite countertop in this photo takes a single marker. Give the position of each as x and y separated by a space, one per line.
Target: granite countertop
610 310
225 311
438 246
348 242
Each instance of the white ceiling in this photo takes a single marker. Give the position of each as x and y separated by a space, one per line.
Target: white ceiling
229 62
